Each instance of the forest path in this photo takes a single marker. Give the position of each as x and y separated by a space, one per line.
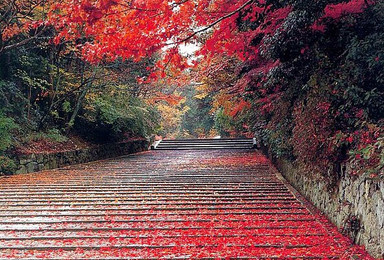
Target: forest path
189 204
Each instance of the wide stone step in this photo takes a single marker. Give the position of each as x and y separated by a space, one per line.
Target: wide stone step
197 142
152 214
223 140
105 235
203 144
199 147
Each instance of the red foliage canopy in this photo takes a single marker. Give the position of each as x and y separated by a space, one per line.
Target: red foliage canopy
107 29
116 28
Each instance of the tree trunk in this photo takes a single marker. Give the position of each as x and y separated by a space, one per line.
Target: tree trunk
79 101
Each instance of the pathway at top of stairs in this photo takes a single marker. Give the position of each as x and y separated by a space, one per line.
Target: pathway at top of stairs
204 144
171 204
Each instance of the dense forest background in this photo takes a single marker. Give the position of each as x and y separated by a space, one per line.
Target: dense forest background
304 77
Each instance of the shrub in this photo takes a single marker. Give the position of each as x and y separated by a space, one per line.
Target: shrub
112 119
7 165
223 123
7 125
56 136
51 135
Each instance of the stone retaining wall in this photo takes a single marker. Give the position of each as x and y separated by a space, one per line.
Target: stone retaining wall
355 206
38 162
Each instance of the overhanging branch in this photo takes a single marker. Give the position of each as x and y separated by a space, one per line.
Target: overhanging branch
212 24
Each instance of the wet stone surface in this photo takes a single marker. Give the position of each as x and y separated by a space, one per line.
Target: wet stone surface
211 204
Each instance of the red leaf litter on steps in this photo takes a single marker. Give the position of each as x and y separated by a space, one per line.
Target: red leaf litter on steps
165 205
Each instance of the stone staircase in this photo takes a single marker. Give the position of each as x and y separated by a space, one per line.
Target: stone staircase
192 204
203 144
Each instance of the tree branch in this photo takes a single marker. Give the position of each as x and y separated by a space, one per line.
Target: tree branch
212 24
22 42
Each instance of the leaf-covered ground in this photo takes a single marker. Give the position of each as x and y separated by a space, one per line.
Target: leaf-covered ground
164 205
46 145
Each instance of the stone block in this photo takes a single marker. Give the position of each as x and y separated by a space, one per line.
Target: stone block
41 166
40 158
22 169
32 166
23 161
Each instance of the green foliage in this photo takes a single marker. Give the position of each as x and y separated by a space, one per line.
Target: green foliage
7 165
29 70
223 123
56 136
114 119
198 120
53 135
66 107
46 87
12 101
7 125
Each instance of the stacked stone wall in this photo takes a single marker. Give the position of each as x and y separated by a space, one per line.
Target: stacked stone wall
355 205
45 161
